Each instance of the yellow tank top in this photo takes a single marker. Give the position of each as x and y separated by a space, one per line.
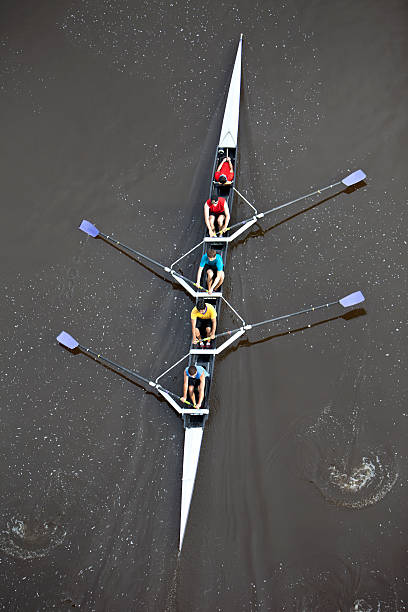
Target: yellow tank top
210 313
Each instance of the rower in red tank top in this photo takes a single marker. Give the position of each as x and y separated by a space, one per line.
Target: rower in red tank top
216 215
225 172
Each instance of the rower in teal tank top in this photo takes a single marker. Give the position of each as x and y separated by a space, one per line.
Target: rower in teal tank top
214 266
199 371
194 380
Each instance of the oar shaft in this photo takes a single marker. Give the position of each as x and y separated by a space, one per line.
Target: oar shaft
287 316
293 314
128 248
127 371
304 197
113 364
309 195
149 259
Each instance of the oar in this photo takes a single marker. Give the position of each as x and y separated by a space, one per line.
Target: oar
349 300
351 179
91 230
69 342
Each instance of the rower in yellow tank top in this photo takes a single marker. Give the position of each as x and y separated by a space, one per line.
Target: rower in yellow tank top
203 323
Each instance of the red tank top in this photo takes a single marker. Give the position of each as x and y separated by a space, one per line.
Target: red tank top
218 207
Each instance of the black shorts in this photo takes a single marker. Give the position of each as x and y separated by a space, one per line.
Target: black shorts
212 267
202 324
195 382
216 215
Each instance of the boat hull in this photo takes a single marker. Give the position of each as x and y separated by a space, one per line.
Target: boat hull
194 424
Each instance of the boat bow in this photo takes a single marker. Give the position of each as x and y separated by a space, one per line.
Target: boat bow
229 129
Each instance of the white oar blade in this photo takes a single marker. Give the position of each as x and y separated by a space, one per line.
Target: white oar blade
89 228
354 178
351 300
67 340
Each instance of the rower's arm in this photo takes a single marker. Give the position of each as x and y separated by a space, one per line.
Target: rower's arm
201 389
227 217
193 328
207 217
217 278
185 386
213 327
227 214
199 273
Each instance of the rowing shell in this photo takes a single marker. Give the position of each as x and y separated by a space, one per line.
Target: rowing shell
194 423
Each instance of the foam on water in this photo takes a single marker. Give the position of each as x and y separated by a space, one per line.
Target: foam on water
25 538
348 472
341 585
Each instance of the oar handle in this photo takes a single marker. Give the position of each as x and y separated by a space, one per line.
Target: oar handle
200 287
186 402
175 396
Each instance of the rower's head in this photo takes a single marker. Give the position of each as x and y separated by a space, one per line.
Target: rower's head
201 305
222 179
211 254
192 370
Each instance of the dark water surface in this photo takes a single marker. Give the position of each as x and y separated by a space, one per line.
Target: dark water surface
110 111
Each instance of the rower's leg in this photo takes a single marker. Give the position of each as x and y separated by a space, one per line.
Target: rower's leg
192 394
220 280
220 221
211 220
210 278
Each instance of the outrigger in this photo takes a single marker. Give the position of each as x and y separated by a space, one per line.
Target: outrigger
195 419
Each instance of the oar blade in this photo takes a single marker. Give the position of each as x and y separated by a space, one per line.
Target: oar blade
351 300
89 228
67 340
354 177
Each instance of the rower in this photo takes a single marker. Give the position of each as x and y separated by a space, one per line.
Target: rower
212 262
216 211
225 172
203 323
194 379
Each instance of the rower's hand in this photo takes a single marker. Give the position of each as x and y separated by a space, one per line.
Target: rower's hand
198 406
212 234
209 291
212 337
183 399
